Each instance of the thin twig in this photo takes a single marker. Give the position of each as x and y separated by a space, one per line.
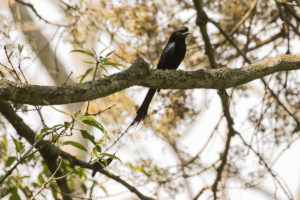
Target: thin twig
101 111
206 143
12 66
47 181
40 17
201 192
281 183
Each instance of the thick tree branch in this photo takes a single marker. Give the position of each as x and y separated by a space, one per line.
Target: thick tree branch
140 74
51 152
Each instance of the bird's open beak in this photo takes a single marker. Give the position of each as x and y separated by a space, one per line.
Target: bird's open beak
184 31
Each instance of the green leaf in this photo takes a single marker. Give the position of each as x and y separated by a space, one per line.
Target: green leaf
67 125
41 179
4 141
84 188
26 58
83 76
20 47
18 145
98 148
54 194
92 122
22 147
100 141
94 152
89 62
75 114
108 54
88 136
14 195
75 144
30 157
38 136
46 102
103 67
83 52
10 55
111 156
10 160
41 133
55 137
81 172
53 188
112 37
115 64
44 130
140 169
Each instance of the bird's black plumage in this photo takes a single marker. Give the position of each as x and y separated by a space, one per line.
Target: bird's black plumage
170 58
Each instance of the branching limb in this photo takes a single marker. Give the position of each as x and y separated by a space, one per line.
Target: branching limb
263 81
201 21
50 154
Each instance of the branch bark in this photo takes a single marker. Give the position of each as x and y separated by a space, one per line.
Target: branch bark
140 74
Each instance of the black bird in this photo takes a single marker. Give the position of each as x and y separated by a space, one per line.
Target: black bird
170 58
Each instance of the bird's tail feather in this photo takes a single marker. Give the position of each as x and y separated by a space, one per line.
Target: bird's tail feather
142 111
140 114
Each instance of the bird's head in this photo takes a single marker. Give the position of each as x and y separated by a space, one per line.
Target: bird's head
180 34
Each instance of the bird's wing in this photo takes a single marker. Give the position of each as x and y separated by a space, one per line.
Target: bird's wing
168 51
